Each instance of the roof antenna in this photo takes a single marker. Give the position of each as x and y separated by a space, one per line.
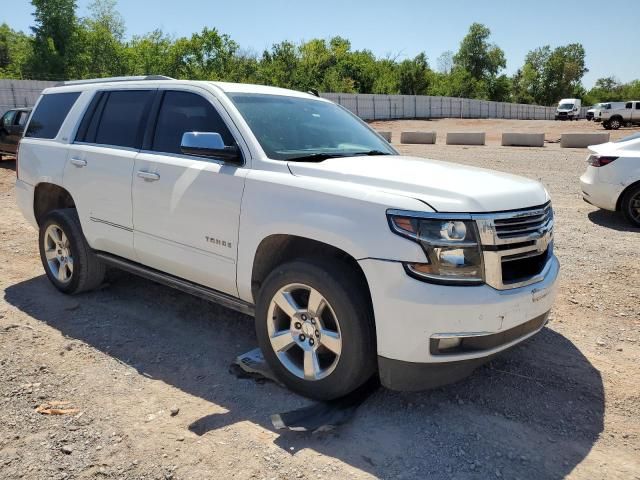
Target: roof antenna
314 92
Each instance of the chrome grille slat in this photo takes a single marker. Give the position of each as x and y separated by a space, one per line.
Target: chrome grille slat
508 231
524 223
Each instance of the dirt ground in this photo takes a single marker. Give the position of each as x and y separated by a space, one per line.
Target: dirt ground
147 368
495 127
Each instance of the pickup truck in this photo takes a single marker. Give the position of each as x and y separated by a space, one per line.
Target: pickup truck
615 118
354 260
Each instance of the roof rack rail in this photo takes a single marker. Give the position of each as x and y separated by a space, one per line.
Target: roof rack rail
112 79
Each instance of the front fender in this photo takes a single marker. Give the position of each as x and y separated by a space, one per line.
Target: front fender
344 216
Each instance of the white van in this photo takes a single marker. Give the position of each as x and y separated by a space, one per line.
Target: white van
568 109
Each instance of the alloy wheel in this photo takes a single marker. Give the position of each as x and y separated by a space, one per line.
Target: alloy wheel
58 253
304 332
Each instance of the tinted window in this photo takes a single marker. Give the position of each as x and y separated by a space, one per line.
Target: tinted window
638 106
182 112
121 119
7 118
628 105
51 112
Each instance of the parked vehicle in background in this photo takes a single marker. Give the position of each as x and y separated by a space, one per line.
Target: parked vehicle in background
568 109
11 129
353 259
606 106
612 179
613 119
592 112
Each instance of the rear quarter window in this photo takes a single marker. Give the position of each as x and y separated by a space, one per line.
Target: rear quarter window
48 117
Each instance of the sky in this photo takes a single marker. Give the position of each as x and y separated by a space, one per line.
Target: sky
400 28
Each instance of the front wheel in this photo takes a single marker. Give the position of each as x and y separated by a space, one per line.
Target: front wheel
630 206
67 259
314 324
606 125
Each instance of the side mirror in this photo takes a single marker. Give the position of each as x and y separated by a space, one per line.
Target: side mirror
209 145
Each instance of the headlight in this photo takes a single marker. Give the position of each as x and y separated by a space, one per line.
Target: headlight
451 246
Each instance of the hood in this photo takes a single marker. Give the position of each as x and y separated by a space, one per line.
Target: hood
446 187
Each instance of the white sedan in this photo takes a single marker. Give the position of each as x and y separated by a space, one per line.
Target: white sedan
612 179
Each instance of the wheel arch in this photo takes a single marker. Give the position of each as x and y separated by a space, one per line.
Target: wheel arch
277 249
624 192
49 196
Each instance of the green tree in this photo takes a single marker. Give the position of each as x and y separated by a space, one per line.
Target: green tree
15 50
549 75
208 55
414 76
477 56
55 39
103 50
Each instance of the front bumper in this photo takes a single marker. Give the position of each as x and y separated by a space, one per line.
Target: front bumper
410 313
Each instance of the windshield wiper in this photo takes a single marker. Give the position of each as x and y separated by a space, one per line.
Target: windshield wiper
315 157
319 157
371 152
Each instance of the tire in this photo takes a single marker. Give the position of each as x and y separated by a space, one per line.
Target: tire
606 125
630 205
615 123
60 240
345 324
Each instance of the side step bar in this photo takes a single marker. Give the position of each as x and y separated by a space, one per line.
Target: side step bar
178 283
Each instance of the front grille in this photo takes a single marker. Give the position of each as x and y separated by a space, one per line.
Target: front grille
524 223
518 268
517 245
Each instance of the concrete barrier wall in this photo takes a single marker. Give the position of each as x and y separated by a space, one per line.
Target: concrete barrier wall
583 140
385 107
386 136
418 137
465 138
523 139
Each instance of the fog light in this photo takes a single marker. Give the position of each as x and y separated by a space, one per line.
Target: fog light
447 343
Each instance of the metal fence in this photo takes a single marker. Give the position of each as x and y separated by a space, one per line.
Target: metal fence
24 93
20 93
387 107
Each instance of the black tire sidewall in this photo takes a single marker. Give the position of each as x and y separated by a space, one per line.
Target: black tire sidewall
357 361
626 205
63 221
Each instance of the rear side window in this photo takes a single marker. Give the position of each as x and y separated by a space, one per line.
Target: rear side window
182 112
50 113
121 118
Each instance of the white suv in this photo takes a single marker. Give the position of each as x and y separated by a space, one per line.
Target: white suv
354 260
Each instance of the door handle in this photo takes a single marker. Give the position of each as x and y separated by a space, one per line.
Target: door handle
148 176
78 162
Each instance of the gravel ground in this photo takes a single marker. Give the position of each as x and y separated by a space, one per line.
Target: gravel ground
147 369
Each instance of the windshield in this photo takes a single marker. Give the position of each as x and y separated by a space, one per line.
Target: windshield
565 106
292 128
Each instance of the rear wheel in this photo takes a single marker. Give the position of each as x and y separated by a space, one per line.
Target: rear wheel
68 261
615 123
315 327
630 205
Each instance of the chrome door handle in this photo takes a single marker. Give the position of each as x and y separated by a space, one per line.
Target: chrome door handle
78 162
148 176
